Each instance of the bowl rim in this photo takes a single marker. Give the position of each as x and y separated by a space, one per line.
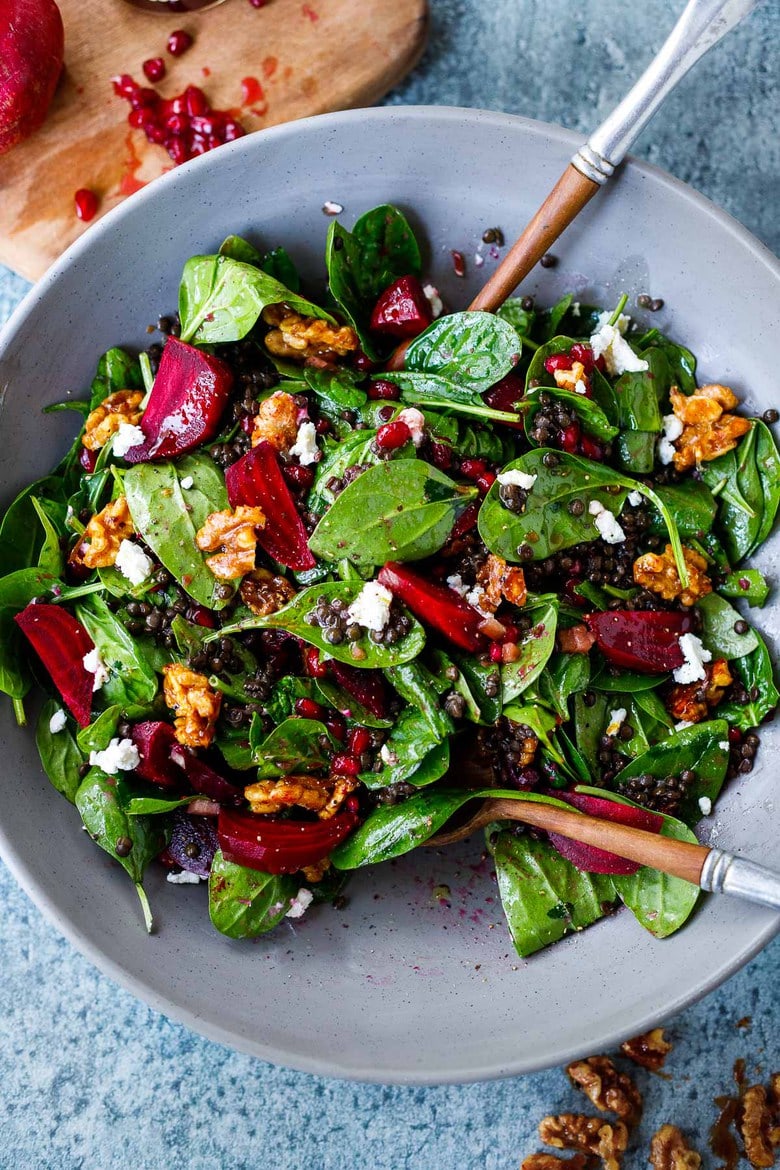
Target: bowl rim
15 862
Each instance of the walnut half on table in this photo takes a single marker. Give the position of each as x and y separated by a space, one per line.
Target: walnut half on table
670 1151
607 1088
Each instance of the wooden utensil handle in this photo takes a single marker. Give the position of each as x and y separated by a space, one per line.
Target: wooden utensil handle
566 200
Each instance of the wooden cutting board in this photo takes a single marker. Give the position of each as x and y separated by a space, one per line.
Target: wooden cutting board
298 58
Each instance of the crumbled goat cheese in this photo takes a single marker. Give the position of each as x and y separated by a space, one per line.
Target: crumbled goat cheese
187 482
433 299
127 436
516 478
371 607
121 755
705 804
300 903
580 387
635 499
575 309
133 563
305 446
95 665
665 451
330 207
415 420
185 878
723 744
456 582
479 259
606 522
609 343
616 720
621 324
673 428
57 721
474 597
695 655
683 724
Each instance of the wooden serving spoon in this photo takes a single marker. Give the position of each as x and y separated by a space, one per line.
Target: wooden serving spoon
702 24
712 869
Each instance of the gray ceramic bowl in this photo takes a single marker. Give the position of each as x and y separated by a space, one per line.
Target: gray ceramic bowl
397 987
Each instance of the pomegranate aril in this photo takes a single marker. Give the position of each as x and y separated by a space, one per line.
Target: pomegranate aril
297 475
352 803
201 616
591 449
176 123
359 740
88 459
178 42
441 456
124 86
336 726
142 96
154 133
177 151
309 709
86 204
584 354
383 390
363 363
314 667
557 361
232 131
473 468
570 437
393 435
195 102
345 764
485 481
154 68
496 654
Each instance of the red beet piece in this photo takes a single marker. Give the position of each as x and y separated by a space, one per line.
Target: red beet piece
88 459
436 605
155 741
193 843
402 310
203 779
587 857
642 640
280 846
188 397
367 686
61 643
257 480
31 52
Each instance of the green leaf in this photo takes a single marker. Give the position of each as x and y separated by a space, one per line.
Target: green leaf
691 505
757 675
521 320
220 299
142 806
60 756
414 751
401 510
593 419
168 517
535 649
749 584
747 484
296 745
718 632
97 736
680 361
589 722
15 677
477 683
237 248
702 749
336 387
50 557
117 370
244 903
550 319
564 675
415 683
661 903
470 350
131 681
20 530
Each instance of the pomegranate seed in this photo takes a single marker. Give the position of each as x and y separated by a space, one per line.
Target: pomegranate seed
201 616
496 653
136 119
178 42
143 96
359 740
735 735
441 456
393 435
557 361
322 426
86 204
345 764
195 102
176 124
385 413
570 437
473 468
309 709
511 633
232 131
351 804
202 125
336 726
314 667
154 68
485 481
383 390
591 449
88 459
297 475
363 363
124 86
584 354
154 133
178 105
458 263
178 152
466 521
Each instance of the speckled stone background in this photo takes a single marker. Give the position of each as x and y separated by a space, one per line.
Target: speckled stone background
90 1078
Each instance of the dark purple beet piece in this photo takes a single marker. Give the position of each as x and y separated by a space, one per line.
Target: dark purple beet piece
193 843
203 779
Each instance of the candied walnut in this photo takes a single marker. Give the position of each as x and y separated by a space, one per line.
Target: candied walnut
650 1050
708 431
106 419
100 540
670 1151
496 580
606 1087
704 405
316 872
692 702
587 1135
194 702
234 533
553 1162
265 592
276 422
568 379
755 1119
297 337
576 640
658 573
324 797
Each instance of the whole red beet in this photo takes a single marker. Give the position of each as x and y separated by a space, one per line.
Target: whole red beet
31 53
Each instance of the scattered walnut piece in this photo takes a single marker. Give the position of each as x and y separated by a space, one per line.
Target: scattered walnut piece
568 379
121 407
774 1093
755 1119
553 1162
658 572
265 592
317 870
693 702
708 431
587 1135
606 1087
103 535
234 533
276 422
497 580
324 797
670 1151
297 337
195 704
650 1050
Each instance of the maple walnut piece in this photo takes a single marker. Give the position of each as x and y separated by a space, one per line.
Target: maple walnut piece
297 337
553 1162
568 379
234 533
650 1050
100 540
755 1120
607 1088
276 422
194 703
670 1151
587 1135
658 573
707 430
264 592
317 870
324 797
692 702
121 407
497 580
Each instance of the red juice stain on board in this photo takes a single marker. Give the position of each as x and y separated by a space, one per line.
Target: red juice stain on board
130 183
309 12
206 71
270 65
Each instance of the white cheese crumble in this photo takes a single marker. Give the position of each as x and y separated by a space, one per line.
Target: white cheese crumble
133 563
606 522
187 482
57 721
609 343
433 299
371 607
305 446
580 387
475 597
723 744
517 478
121 755
635 499
673 428
300 903
127 436
575 309
415 420
456 582
705 804
95 665
621 324
616 720
695 655
479 259
683 724
185 878
331 207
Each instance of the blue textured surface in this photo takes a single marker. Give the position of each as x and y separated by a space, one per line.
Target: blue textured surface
89 1077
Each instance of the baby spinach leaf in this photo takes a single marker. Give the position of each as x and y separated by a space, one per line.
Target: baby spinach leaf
680 361
690 504
237 248
747 484
660 903
564 675
622 680
244 903
60 756
296 745
356 449
97 736
434 390
20 530
336 388
142 806
471 350
544 896
757 675
702 749
593 419
50 557
168 517
293 619
749 584
638 394
117 370
483 682
220 299
414 751
401 510
589 722
415 683
719 634
15 678
131 680
550 319
535 649
522 320
235 747
280 265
